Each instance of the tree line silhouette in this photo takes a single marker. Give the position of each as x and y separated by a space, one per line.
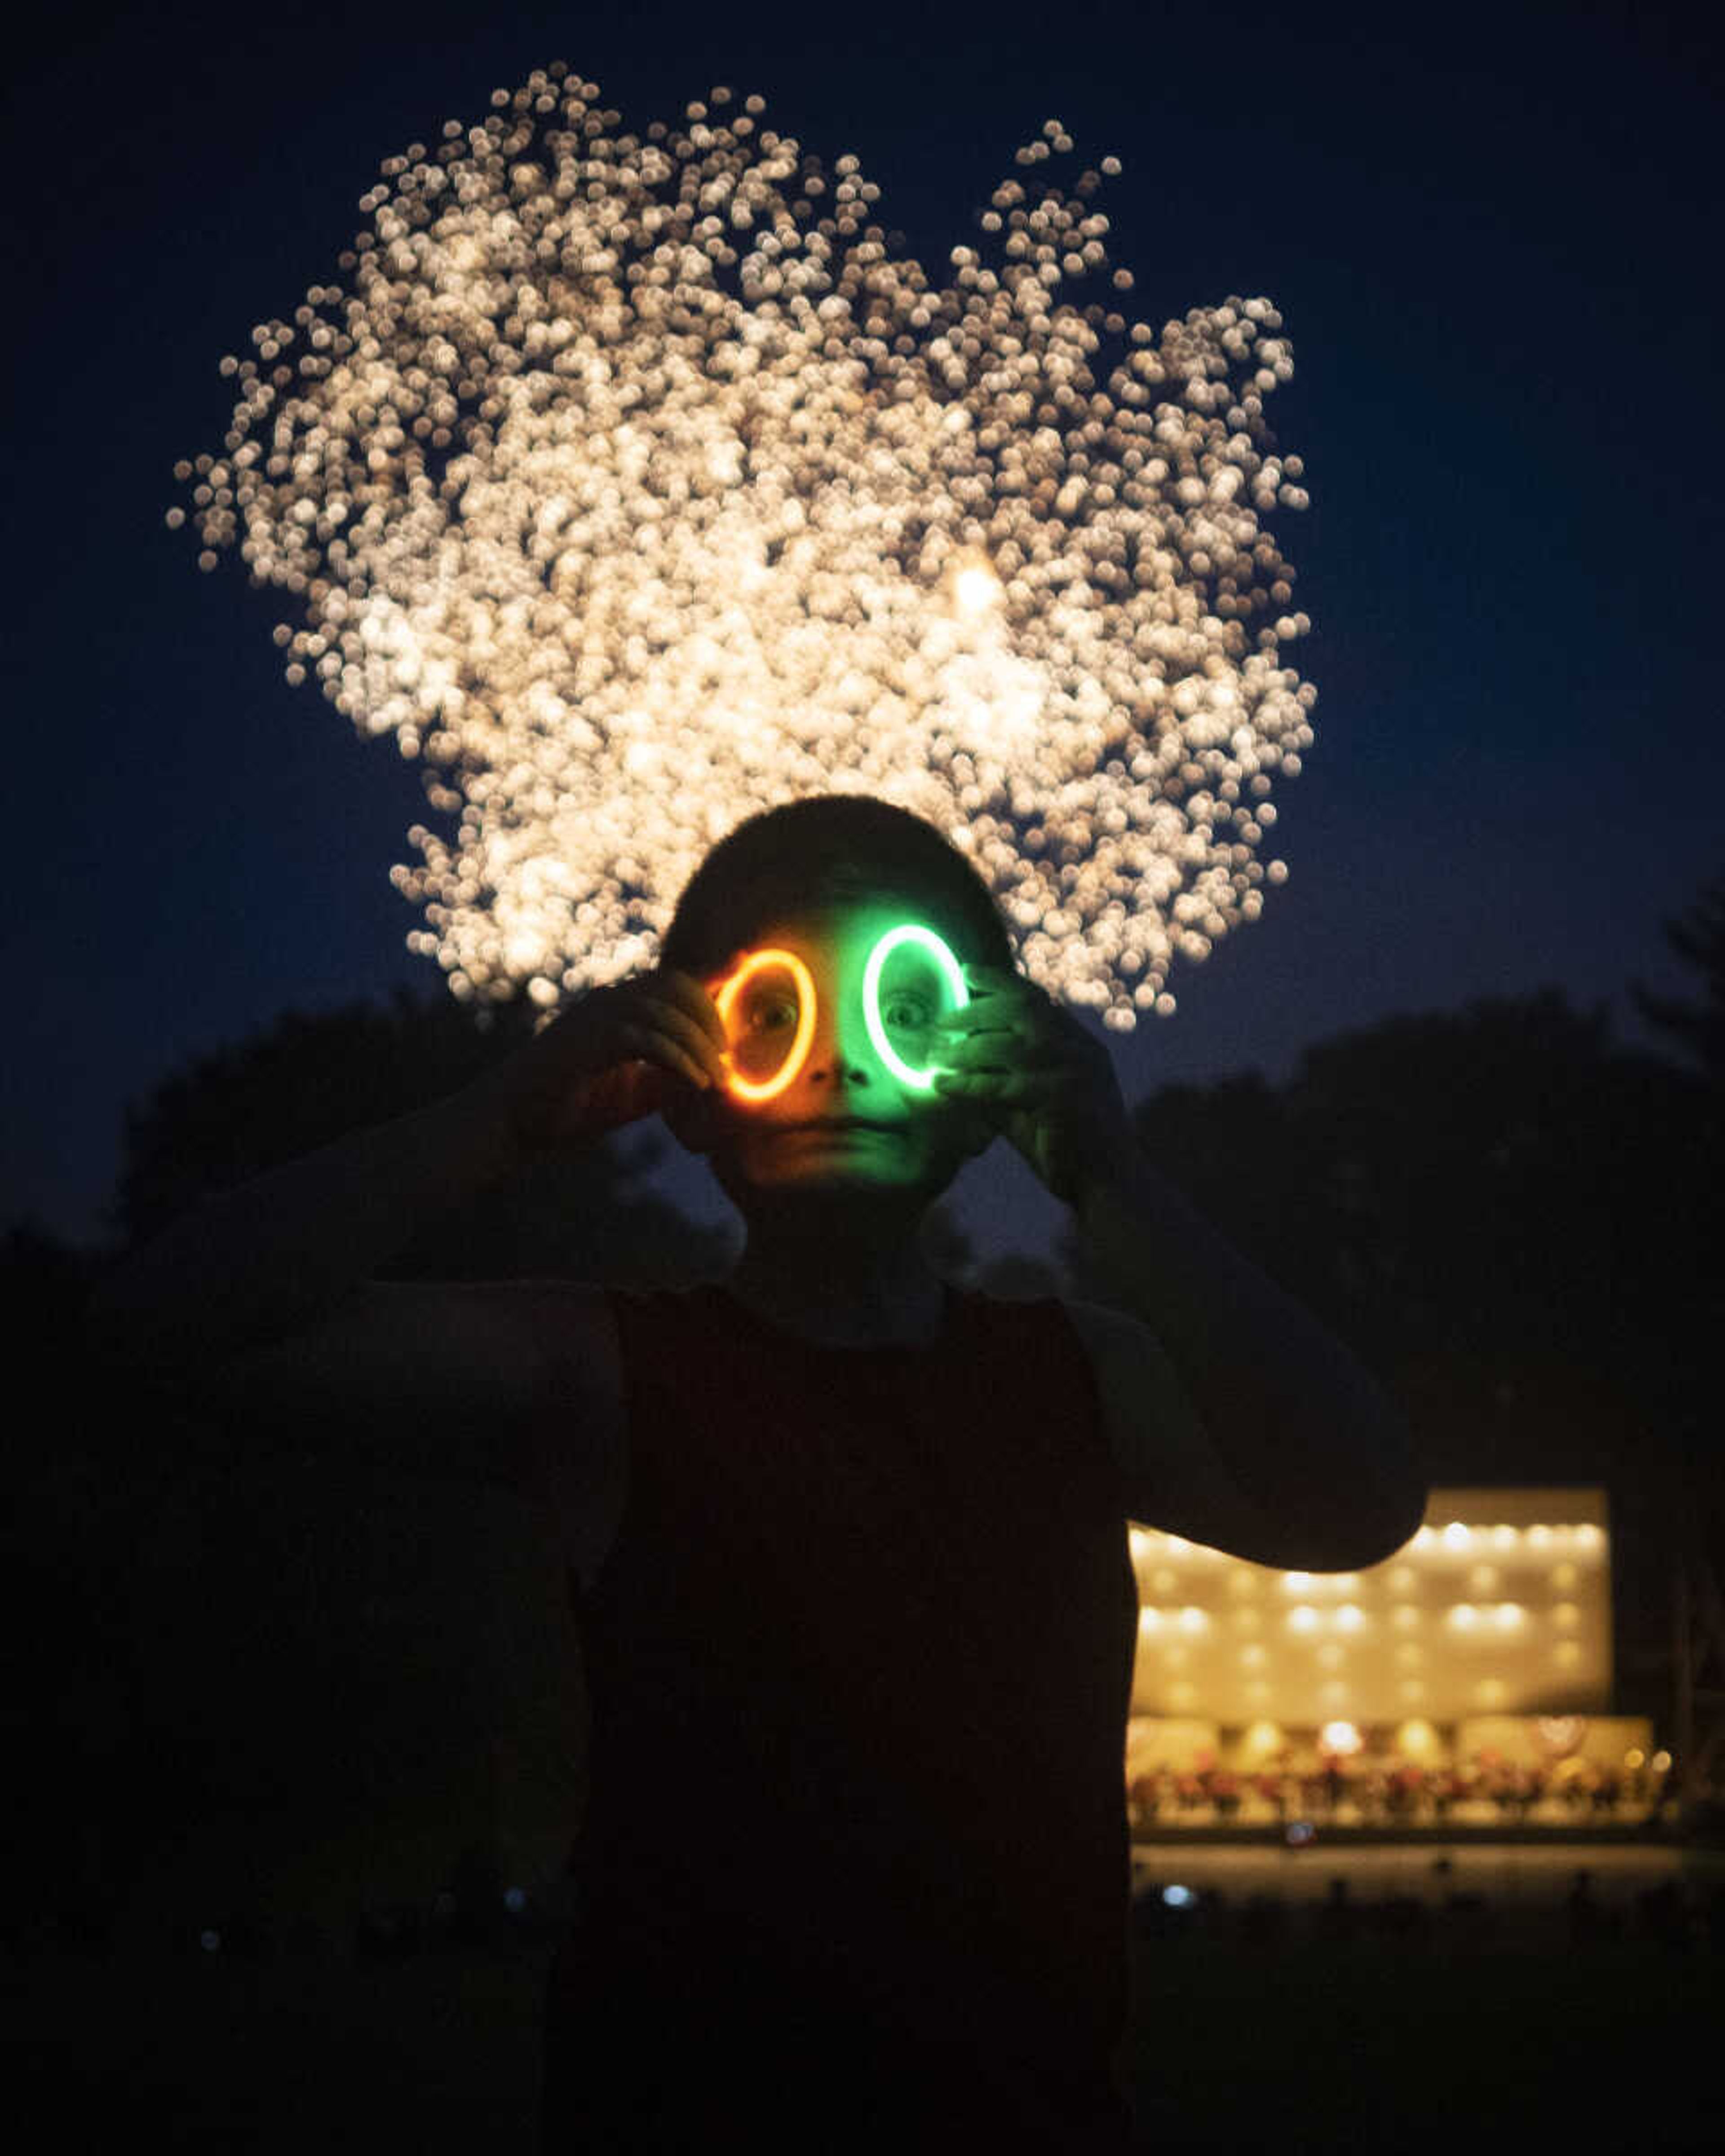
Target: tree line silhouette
244 1664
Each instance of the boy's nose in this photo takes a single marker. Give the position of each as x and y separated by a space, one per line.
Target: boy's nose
840 1046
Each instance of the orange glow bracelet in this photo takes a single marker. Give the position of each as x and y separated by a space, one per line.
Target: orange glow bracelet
745 1089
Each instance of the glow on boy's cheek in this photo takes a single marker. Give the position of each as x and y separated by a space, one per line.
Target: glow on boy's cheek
909 933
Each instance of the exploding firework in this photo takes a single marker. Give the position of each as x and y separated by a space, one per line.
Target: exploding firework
633 483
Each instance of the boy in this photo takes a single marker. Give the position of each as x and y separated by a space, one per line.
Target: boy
848 1546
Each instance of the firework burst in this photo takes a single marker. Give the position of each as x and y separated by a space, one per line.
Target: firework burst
633 483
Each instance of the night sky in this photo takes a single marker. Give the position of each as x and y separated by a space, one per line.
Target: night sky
1490 236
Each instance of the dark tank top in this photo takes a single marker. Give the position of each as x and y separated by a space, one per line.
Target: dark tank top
854 1862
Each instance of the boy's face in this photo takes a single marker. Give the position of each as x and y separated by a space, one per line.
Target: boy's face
846 1120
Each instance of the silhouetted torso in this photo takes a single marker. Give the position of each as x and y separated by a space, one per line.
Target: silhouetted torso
858 1667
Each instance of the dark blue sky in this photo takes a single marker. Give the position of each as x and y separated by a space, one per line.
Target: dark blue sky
1490 236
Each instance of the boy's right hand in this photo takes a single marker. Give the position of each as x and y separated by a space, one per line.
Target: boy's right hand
614 1055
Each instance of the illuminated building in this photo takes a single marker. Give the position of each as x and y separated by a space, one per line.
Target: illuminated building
1474 1664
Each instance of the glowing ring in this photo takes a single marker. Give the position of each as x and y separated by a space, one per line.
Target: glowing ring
745 1089
909 931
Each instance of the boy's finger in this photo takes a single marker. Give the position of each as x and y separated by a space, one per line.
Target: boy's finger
693 997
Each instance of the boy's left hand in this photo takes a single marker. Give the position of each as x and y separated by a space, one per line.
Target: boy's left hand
1030 1069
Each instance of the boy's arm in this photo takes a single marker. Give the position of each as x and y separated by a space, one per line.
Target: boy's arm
1294 1456
259 1304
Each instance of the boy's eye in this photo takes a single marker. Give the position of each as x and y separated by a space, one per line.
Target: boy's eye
904 1012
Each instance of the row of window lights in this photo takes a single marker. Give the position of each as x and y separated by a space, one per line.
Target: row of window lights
1453 1540
1461 1617
1416 1737
1404 1581
1566 1657
1489 1692
1565 1653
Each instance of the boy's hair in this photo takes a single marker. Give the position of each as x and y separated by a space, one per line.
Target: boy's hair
824 848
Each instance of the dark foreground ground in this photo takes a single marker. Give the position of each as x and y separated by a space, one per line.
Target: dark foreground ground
1409 2011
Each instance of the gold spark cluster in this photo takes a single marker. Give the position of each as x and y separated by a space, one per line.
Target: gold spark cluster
634 483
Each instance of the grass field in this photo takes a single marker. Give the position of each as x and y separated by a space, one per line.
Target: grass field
1475 2029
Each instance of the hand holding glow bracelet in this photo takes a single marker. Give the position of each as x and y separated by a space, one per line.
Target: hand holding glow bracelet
911 933
726 996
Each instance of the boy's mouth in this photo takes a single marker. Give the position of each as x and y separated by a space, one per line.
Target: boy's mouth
837 1123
